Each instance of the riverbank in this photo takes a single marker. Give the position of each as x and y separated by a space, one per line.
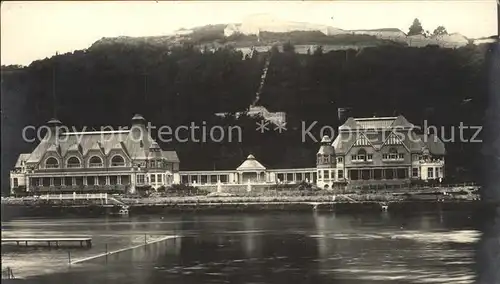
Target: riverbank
269 201
177 197
53 210
14 211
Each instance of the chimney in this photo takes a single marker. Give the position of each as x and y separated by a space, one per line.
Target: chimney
54 128
343 114
138 120
138 130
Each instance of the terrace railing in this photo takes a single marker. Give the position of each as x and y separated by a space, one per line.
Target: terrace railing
79 188
74 196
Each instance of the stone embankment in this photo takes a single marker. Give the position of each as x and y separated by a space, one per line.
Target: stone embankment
292 200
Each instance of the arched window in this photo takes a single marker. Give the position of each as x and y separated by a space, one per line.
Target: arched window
361 155
73 162
51 163
95 162
117 161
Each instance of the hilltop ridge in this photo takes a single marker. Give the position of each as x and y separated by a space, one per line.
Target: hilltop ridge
265 31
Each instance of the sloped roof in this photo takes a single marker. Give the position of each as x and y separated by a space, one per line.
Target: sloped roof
22 158
250 164
138 117
96 146
375 123
54 148
433 143
87 140
376 138
171 156
349 124
155 150
137 149
154 145
325 139
401 121
414 142
117 146
326 150
75 147
343 142
378 129
105 141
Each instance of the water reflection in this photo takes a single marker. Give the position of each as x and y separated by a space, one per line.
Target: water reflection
250 238
268 248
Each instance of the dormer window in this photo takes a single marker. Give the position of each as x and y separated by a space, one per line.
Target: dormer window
361 155
73 162
95 162
117 161
393 154
154 147
51 163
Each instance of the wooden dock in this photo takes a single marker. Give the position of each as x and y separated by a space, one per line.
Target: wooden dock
54 240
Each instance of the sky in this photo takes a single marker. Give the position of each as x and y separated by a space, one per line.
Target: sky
36 30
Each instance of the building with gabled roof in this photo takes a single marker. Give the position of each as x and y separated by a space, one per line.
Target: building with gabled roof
379 150
98 161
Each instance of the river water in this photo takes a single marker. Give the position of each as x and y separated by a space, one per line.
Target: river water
285 247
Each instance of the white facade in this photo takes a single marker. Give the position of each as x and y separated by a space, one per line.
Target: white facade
255 24
107 161
379 151
359 155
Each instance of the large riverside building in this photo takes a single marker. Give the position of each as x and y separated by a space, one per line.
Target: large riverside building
97 161
367 151
384 150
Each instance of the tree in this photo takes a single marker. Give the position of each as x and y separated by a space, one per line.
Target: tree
185 85
416 28
288 47
11 67
440 30
274 49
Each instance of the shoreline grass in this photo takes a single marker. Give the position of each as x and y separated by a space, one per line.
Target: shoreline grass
283 197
